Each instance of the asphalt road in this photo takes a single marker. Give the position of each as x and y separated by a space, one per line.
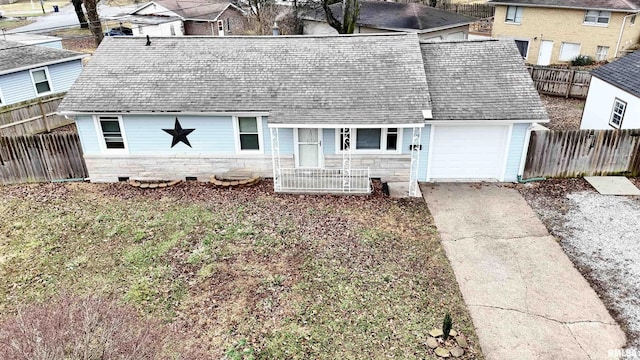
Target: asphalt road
67 18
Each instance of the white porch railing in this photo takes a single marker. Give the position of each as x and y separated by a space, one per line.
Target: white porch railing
296 180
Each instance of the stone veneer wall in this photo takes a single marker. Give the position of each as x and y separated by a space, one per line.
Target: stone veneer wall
396 167
109 168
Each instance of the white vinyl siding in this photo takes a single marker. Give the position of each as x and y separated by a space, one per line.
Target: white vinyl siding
596 17
569 51
514 14
617 113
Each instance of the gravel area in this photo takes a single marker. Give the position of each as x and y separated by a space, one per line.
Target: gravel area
601 235
564 114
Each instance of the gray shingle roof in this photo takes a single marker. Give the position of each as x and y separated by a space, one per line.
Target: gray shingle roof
399 16
623 73
615 5
15 56
298 79
480 80
193 9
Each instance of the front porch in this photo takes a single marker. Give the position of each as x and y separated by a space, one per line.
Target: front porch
333 181
319 170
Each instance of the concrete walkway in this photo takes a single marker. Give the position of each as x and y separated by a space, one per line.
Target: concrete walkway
526 299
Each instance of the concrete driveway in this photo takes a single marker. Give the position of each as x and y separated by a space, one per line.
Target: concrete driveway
526 299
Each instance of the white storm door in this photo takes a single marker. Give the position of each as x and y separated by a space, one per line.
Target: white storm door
309 146
544 55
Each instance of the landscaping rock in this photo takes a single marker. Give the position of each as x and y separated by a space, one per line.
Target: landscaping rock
432 342
442 352
453 333
457 351
436 332
462 342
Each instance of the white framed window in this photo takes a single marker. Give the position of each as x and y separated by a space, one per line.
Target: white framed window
569 51
248 134
523 47
597 17
41 81
371 140
632 20
140 27
111 132
514 15
617 113
601 53
172 29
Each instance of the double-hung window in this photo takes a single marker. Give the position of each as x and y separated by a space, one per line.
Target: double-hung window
514 14
597 17
249 136
617 114
112 132
41 82
601 53
374 140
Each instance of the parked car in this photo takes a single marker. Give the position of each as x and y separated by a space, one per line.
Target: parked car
119 31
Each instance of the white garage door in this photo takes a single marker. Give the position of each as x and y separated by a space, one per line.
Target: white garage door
467 153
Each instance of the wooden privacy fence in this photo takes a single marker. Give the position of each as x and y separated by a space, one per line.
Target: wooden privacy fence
571 153
473 10
560 82
32 117
40 158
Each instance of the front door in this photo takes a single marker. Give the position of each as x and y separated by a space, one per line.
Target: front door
309 148
544 55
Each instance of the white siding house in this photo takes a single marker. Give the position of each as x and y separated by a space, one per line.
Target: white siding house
613 101
402 111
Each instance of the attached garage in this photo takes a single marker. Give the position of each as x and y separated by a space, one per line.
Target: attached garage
468 152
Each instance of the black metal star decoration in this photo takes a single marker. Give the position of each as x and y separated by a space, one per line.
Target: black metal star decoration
179 134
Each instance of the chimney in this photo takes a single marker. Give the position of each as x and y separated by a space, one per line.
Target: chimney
276 29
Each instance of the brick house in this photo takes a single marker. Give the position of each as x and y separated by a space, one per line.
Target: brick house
557 31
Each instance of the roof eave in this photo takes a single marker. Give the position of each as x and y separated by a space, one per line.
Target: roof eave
47 63
563 7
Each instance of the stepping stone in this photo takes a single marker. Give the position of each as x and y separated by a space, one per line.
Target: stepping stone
612 185
432 342
461 342
442 352
436 332
457 351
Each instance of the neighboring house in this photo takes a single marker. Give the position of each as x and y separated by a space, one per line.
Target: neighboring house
187 17
34 39
556 31
381 17
31 71
613 101
317 113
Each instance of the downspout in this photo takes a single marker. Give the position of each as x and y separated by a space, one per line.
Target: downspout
523 158
624 21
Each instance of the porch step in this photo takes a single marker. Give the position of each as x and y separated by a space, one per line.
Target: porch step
228 182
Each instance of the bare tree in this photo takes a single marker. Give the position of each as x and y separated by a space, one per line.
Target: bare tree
77 6
260 11
94 20
350 12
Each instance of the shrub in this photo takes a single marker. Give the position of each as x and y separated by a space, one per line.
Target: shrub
446 326
582 60
82 328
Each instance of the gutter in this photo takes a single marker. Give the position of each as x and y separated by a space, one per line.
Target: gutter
624 21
